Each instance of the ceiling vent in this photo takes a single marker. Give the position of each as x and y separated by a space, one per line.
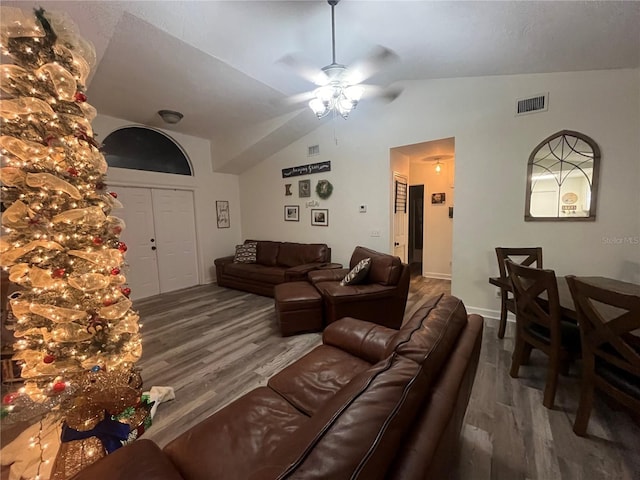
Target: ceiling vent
313 150
539 103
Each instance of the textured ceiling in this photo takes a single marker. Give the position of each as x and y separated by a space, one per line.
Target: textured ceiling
217 62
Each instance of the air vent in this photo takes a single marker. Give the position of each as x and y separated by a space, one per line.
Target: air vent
539 103
313 150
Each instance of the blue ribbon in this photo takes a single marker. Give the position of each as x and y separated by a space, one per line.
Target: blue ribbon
110 432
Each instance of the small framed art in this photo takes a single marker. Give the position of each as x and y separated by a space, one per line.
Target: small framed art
320 217
304 188
222 214
292 213
438 198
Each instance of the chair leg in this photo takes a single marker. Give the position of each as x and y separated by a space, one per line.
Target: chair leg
586 404
503 313
516 358
552 381
526 354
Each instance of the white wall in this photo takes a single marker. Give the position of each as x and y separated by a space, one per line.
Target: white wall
438 227
206 185
492 149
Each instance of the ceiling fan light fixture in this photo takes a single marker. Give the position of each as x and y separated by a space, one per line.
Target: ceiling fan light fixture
170 116
338 95
318 107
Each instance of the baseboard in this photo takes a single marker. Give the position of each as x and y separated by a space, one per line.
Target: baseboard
486 313
439 276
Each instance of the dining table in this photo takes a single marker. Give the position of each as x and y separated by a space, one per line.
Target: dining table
567 307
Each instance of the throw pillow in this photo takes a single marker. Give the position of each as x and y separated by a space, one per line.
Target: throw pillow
357 273
246 253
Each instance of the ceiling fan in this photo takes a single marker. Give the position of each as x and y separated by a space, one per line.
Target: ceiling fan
339 87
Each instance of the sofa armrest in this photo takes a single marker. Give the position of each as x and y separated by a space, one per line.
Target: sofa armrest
327 275
140 460
223 260
333 292
363 339
299 272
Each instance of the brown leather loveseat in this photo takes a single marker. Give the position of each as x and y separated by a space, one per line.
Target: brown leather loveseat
380 298
276 262
369 403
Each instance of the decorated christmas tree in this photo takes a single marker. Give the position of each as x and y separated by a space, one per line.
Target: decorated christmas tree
77 337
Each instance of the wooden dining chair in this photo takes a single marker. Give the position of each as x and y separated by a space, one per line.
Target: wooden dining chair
610 352
541 327
529 256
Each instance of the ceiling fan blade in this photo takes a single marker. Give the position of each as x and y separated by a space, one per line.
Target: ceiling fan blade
304 69
299 98
375 61
388 94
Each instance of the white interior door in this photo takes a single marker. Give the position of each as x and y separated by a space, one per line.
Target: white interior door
400 220
175 228
139 235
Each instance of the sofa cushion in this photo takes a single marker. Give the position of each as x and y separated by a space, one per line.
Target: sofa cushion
256 272
356 432
293 254
357 273
246 253
385 269
268 253
312 380
237 439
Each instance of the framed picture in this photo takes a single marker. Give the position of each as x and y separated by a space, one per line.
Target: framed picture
304 188
222 214
292 213
437 198
320 217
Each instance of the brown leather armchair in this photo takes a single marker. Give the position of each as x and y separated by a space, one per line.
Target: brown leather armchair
381 298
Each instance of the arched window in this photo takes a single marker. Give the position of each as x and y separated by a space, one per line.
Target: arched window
142 148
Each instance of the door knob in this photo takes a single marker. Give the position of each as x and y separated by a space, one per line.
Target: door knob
153 248
153 240
396 244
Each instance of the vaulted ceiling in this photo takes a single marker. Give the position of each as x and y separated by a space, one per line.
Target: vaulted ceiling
218 62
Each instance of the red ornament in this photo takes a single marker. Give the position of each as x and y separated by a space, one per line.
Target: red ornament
80 97
72 171
126 291
107 302
97 240
122 247
113 194
10 397
117 229
48 359
115 271
58 273
59 387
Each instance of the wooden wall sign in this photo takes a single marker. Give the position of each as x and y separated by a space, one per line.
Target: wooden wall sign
320 167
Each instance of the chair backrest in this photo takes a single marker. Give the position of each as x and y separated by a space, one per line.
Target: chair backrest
527 256
528 285
606 331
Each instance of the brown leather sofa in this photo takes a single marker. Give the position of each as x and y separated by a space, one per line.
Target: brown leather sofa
369 403
276 262
381 298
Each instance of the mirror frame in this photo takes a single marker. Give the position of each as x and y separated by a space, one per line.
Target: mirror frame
594 179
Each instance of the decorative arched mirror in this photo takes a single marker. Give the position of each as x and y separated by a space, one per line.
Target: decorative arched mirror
562 179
